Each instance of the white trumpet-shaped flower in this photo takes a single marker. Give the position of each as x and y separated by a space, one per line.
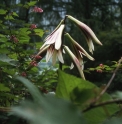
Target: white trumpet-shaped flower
89 34
53 43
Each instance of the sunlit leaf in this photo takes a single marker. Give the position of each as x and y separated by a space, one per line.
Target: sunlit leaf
2 11
9 17
32 3
15 14
51 110
39 32
80 92
4 88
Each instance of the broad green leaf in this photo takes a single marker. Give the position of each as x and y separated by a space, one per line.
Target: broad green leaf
67 83
32 89
78 90
4 88
2 11
51 110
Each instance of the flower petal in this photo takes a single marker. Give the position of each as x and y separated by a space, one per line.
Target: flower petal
78 47
49 54
71 66
76 61
54 56
60 57
59 38
61 22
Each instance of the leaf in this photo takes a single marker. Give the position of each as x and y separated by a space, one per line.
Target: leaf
5 59
15 14
9 17
39 44
33 90
4 88
51 110
39 32
24 39
73 88
32 3
2 11
67 83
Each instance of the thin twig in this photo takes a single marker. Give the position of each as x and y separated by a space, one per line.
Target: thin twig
102 104
92 105
5 109
110 81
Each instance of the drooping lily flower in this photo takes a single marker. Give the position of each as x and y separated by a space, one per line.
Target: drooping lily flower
53 43
78 49
89 34
76 61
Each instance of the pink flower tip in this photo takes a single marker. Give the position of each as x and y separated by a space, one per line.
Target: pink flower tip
99 70
101 65
37 9
23 74
33 63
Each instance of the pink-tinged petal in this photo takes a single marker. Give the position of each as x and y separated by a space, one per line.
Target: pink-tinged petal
85 28
61 22
59 38
78 47
91 46
60 57
49 54
50 40
76 61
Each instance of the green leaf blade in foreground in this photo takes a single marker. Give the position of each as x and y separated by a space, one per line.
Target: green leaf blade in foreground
32 89
5 60
52 110
81 93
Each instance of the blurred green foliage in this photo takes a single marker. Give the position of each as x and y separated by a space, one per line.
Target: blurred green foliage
31 95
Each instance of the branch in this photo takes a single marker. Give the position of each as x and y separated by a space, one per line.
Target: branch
109 83
93 105
102 104
5 109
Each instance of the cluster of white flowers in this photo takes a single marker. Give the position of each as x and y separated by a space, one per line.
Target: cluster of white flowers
54 46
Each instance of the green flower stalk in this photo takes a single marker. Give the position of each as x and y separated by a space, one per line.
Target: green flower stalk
89 34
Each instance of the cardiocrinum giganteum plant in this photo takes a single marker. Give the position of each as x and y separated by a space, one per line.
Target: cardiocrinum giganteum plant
54 46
